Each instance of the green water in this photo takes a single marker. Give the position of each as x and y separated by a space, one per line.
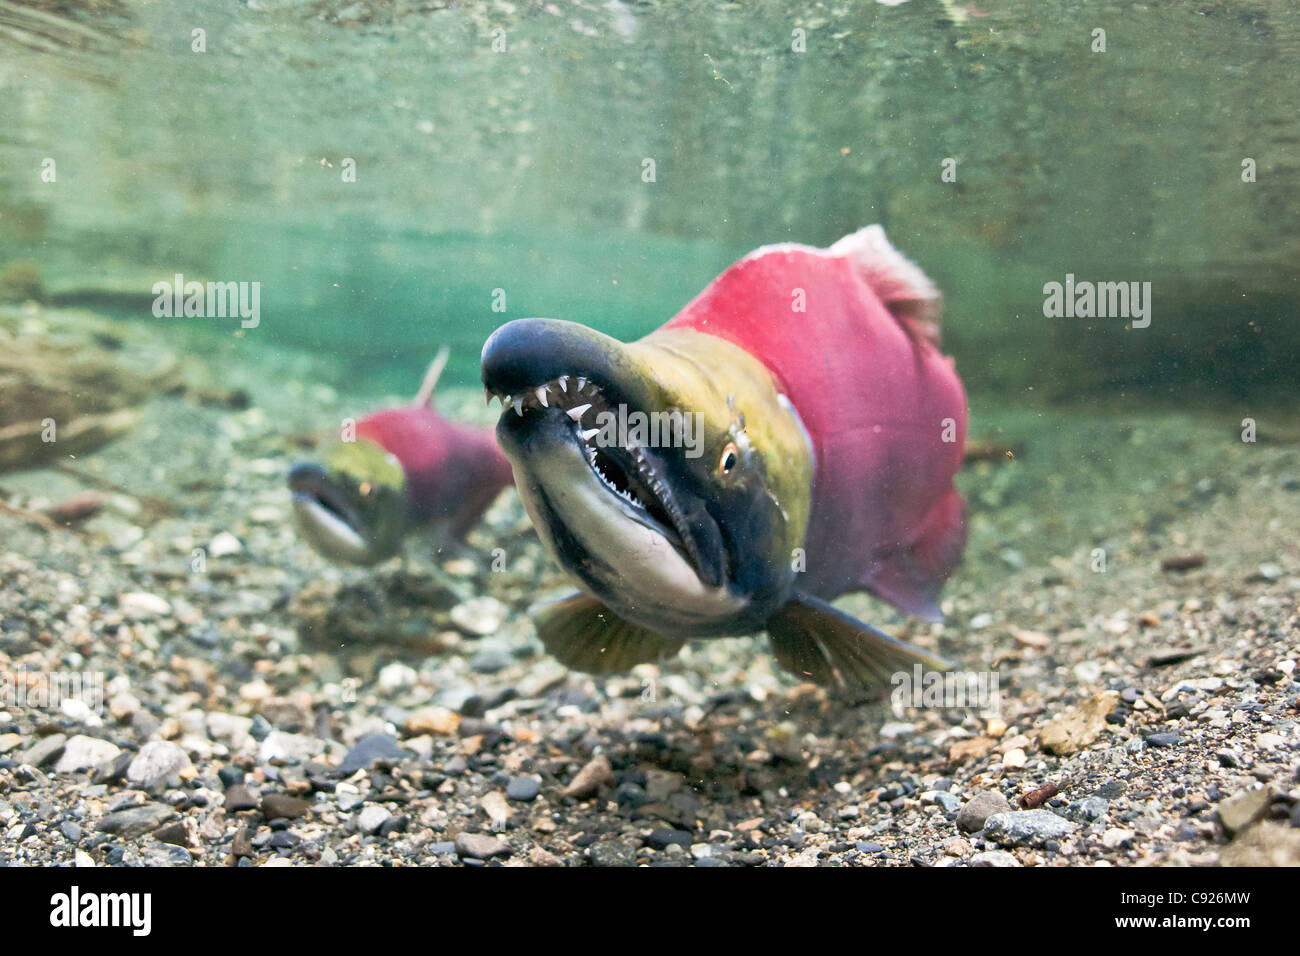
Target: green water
524 169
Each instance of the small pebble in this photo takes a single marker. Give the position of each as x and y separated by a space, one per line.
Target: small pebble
480 846
524 788
371 819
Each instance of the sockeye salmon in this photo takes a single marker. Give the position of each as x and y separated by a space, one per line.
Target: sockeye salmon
404 469
818 431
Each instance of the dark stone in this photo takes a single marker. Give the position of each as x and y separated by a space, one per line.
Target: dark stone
136 821
261 728
176 833
230 776
1027 827
369 750
612 853
239 797
113 771
242 845
71 831
455 766
490 660
523 788
1186 833
282 806
1168 739
1110 789
661 838
630 796
475 726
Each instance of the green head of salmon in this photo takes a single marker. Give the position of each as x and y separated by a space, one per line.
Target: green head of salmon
675 496
351 506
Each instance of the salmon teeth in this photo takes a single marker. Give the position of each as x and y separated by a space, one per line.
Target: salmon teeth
519 405
563 381
541 395
576 412
582 382
589 434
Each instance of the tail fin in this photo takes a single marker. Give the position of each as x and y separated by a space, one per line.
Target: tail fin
905 290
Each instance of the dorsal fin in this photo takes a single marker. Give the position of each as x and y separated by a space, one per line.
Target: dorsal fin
905 290
425 395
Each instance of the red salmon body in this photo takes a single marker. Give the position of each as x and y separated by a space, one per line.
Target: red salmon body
849 335
453 471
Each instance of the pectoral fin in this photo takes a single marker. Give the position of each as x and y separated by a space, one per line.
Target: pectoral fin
585 635
822 644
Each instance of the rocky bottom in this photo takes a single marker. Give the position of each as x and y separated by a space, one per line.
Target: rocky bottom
1131 580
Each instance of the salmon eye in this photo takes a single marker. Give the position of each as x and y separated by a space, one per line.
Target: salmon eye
729 459
365 489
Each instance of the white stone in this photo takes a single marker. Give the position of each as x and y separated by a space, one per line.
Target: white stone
397 676
157 761
83 753
1116 837
74 708
1015 757
224 544
280 745
231 728
481 615
142 606
371 819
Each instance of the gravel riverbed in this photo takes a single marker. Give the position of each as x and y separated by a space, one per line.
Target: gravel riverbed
1131 578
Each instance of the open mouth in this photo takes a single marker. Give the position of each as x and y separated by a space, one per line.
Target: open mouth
628 472
311 487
